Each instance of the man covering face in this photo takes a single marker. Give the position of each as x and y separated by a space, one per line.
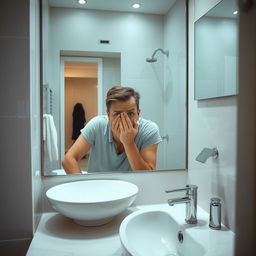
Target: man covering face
120 141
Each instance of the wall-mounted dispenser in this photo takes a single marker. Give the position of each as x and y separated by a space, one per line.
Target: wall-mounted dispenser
206 153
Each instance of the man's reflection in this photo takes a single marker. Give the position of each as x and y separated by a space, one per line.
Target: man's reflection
120 141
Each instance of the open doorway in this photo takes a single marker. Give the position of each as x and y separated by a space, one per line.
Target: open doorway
82 98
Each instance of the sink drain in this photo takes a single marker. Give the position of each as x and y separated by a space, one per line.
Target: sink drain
180 236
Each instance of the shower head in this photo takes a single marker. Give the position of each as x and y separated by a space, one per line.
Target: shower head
152 59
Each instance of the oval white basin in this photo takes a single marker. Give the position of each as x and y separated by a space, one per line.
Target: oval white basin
155 233
147 233
92 202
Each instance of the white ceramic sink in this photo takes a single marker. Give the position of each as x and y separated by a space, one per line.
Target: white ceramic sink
154 233
92 202
164 233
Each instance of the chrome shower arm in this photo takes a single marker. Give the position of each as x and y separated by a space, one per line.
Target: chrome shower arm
160 49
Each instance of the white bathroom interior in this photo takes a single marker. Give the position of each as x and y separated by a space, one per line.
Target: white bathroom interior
75 54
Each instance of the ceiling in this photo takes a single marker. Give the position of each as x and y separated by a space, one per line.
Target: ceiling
147 6
81 69
224 9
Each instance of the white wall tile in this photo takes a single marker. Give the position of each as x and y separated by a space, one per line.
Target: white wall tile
15 182
15 17
35 113
212 123
14 77
14 247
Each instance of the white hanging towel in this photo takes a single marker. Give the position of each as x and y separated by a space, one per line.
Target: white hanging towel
50 137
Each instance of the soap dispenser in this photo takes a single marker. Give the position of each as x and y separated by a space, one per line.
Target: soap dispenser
215 213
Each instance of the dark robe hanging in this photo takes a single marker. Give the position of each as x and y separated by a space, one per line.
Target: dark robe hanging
78 120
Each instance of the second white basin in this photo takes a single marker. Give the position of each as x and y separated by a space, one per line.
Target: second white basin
161 230
92 202
156 233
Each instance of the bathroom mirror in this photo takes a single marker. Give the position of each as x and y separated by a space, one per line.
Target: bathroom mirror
216 52
87 49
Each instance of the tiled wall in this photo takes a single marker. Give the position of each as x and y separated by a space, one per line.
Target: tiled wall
174 91
35 112
16 223
212 123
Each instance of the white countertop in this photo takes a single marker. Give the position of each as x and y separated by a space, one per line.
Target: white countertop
57 235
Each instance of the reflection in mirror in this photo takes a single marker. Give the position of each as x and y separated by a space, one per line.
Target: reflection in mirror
86 50
216 52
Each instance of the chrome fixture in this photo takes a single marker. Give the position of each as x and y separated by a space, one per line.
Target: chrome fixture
190 200
81 1
215 213
166 137
180 237
206 153
136 6
153 59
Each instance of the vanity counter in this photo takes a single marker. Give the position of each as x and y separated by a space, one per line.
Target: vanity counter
57 235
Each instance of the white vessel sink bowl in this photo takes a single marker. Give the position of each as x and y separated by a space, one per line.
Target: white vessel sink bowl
92 202
162 231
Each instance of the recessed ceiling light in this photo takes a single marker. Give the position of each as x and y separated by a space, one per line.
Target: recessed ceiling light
81 1
136 6
235 12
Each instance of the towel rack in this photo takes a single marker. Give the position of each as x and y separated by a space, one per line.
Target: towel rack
48 99
51 101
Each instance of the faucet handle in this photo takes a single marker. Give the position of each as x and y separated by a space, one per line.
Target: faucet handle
187 188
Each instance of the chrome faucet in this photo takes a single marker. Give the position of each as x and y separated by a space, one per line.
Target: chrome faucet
190 200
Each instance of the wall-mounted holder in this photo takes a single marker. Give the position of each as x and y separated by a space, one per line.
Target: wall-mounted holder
215 213
206 153
166 137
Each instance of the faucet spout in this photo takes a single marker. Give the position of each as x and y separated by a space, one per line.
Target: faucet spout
190 200
180 200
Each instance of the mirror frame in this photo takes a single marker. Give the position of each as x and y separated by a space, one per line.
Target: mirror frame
195 87
186 2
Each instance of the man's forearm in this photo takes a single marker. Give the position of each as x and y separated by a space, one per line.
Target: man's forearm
136 161
71 166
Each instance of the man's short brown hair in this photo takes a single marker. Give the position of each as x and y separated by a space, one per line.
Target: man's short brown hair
120 93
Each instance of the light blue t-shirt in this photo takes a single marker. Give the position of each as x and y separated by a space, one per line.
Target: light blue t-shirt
103 154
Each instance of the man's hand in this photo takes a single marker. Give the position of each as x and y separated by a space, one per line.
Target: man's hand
128 129
115 126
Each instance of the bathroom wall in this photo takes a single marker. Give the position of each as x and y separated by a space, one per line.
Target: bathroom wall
68 31
174 92
35 113
111 75
17 184
246 142
212 123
